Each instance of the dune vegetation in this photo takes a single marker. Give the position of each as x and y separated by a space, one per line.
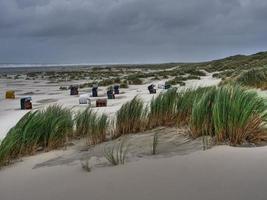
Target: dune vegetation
256 78
116 155
162 109
40 130
49 129
228 113
131 118
91 125
251 78
136 74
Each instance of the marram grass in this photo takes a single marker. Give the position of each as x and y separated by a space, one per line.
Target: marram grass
230 114
163 109
173 107
201 114
46 129
227 113
92 126
116 155
49 129
131 117
184 103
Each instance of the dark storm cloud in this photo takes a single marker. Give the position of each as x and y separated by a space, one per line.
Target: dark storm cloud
129 30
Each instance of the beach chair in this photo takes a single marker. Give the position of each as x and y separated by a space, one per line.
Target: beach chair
167 86
74 90
25 103
110 94
161 85
116 89
151 89
10 94
94 90
84 99
101 102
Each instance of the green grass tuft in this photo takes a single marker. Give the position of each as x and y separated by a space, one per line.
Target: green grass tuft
162 109
230 113
45 129
131 117
116 154
94 127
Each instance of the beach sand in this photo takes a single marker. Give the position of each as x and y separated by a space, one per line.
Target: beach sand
220 173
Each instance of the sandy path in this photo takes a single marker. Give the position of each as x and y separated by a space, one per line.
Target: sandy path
220 173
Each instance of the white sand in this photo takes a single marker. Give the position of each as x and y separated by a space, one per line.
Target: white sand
220 173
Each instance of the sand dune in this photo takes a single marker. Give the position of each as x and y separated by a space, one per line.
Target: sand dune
181 170
220 173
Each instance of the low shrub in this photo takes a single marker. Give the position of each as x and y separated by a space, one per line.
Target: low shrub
253 78
191 77
124 84
135 81
177 80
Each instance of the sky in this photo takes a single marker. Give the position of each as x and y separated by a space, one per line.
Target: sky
130 31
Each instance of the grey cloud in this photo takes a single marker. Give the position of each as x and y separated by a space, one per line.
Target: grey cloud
129 30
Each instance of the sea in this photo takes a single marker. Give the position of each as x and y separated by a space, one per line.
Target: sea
22 68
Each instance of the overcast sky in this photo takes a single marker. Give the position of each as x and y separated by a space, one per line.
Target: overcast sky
129 31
